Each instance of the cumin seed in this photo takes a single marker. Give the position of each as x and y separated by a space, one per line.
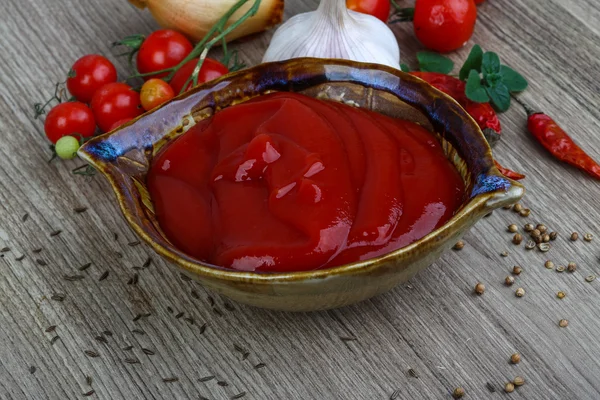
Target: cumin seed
58 297
107 333
132 361
179 314
51 328
115 236
490 387
4 249
25 217
85 266
202 328
395 395
91 392
55 233
134 243
207 378
413 373
128 347
88 380
239 348
260 365
245 355
148 351
184 277
32 369
138 331
147 262
20 258
80 210
211 301
238 396
137 317
169 309
101 339
222 383
35 251
104 275
195 294
91 353
189 320
133 280
118 254
171 379
41 262
136 268
54 339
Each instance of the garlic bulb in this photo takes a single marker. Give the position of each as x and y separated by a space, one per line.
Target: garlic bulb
333 31
195 18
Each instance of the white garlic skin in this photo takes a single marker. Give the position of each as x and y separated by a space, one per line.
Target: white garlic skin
333 31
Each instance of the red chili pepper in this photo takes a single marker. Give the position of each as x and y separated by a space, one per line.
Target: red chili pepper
509 173
558 142
482 113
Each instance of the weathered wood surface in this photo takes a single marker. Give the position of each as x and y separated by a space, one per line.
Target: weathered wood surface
434 325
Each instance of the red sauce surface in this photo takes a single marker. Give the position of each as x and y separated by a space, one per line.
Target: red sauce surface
286 182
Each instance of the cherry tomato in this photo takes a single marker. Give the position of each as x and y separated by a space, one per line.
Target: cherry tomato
118 124
66 147
71 118
114 102
162 49
211 69
377 8
89 74
155 92
444 25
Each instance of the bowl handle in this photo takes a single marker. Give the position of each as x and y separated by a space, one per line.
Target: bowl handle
499 190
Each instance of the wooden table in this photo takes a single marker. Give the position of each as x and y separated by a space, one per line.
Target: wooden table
433 326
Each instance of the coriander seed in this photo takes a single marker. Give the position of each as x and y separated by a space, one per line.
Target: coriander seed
517 270
553 235
549 264
508 207
515 358
572 267
544 247
517 239
574 236
517 207
545 238
535 233
480 288
459 245
504 254
509 280
509 387
529 228
525 212
588 237
512 228
530 245
560 268
520 292
537 239
590 278
518 381
458 393
542 228
561 295
563 323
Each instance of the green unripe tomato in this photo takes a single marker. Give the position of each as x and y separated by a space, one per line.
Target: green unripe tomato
66 147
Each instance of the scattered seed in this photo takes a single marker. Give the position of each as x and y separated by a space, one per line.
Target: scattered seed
54 339
194 294
260 365
563 323
490 387
170 310
525 212
51 328
211 301
73 278
80 210
517 207
101 339
515 358
179 315
132 361
91 392
35 251
133 280
107 333
459 245
508 207
137 317
171 379
413 373
535 233
185 278
189 320
574 236
32 369
25 217
118 254
148 351
512 228
395 395
542 228
509 280
571 267
147 262
202 328
504 254
561 295
91 353
560 268
104 275
553 235
238 396
115 236
58 297
544 247
520 292
518 381
517 270
479 288
545 238
529 228
222 383
509 387
138 331
134 243
458 393
84 267
207 378
88 380
128 347
20 258
549 264
588 237
5 250
228 306
239 348
41 262
517 239
55 233
590 278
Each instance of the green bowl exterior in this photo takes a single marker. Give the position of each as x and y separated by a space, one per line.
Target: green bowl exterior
123 156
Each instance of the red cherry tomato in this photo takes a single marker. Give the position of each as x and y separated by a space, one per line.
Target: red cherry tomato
211 69
377 8
114 102
69 119
444 25
89 74
162 49
155 92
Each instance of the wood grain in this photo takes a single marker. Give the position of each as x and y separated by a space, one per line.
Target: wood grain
434 325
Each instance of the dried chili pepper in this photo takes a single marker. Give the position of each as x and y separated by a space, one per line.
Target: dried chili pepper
558 142
508 173
482 113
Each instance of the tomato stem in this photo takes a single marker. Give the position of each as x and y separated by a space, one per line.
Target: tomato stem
396 6
403 15
59 92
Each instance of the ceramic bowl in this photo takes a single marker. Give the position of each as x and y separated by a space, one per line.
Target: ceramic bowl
123 156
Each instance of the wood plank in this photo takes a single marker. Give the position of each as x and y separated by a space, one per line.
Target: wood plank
433 325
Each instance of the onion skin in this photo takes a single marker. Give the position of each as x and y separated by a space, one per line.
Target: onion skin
194 18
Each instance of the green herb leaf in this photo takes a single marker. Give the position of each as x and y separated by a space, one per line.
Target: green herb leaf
512 79
472 62
404 68
490 63
499 96
474 91
434 62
